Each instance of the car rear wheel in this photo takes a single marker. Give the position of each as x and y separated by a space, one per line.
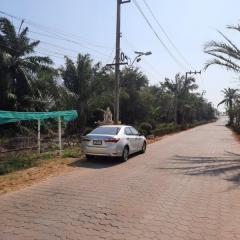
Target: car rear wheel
144 147
125 154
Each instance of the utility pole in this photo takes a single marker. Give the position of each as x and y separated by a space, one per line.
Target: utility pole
176 94
191 73
176 102
117 61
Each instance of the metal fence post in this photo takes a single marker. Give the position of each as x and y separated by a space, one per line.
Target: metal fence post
60 135
39 137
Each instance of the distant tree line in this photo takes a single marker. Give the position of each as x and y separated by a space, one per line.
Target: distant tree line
31 83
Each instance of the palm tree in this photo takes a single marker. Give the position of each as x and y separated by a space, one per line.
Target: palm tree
230 95
18 67
181 88
77 78
225 54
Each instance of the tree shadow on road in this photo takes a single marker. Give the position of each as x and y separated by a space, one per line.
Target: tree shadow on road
227 166
96 163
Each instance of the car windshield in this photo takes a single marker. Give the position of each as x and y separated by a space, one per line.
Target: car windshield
106 130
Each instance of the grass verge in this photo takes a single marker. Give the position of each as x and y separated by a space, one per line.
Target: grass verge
30 169
19 161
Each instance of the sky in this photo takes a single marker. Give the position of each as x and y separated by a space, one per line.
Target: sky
88 26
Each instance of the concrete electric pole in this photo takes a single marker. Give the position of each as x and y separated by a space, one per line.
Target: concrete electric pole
117 60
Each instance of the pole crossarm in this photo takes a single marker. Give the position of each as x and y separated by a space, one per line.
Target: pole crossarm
193 73
126 1
114 64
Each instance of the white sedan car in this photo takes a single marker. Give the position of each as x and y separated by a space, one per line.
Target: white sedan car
113 141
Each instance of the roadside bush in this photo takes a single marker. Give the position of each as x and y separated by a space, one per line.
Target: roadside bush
71 153
145 128
166 128
87 130
235 128
20 161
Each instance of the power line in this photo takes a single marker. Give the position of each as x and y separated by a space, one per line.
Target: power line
68 40
51 30
54 52
36 51
46 54
61 47
59 38
110 55
156 34
166 35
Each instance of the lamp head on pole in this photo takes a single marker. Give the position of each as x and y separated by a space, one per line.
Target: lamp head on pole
148 53
143 53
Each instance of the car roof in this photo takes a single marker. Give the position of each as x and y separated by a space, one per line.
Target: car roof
115 125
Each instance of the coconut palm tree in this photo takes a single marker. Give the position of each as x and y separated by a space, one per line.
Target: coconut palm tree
18 67
181 88
224 53
77 78
230 95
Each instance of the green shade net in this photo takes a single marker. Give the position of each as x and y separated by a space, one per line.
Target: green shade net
11 117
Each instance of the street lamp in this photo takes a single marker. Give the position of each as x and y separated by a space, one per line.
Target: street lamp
139 55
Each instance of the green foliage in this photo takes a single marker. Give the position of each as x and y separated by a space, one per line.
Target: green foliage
20 161
71 153
30 83
225 54
145 128
163 129
18 69
87 130
231 102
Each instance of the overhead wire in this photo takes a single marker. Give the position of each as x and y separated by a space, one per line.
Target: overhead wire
158 37
45 54
61 47
68 40
58 46
166 34
56 34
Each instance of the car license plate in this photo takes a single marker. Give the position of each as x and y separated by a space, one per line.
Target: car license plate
97 142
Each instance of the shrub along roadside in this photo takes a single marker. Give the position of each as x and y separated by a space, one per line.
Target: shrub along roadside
235 128
164 129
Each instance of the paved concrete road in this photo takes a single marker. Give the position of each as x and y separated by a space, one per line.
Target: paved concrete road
187 186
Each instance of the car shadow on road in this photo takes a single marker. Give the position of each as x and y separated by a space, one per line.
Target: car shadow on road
226 167
96 163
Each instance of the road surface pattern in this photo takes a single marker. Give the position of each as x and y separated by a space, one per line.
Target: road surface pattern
187 186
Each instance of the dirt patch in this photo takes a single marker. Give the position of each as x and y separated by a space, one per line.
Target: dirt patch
30 176
153 140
